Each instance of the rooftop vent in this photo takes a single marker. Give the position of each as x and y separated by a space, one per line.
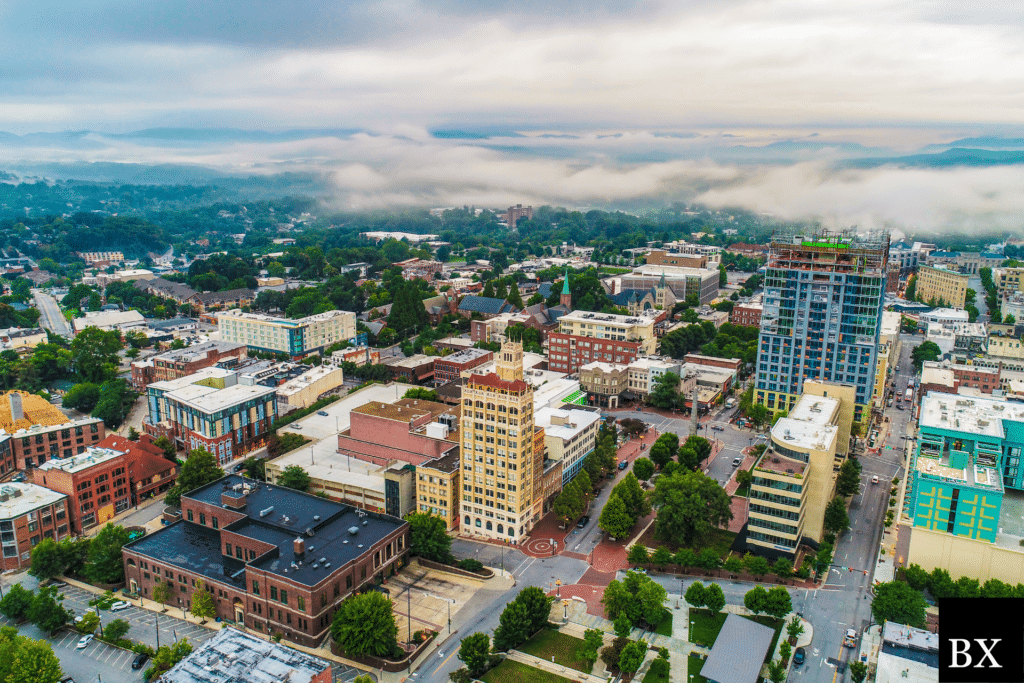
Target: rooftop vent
266 511
316 518
353 530
365 522
360 545
322 560
327 565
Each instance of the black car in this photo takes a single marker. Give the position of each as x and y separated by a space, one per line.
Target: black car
139 661
322 412
798 656
584 520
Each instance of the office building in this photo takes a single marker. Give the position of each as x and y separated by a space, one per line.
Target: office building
943 285
1007 281
450 368
296 337
822 312
585 337
437 488
28 514
235 656
275 560
211 410
569 437
795 478
304 388
500 466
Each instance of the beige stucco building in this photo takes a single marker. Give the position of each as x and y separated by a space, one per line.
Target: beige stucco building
942 285
304 390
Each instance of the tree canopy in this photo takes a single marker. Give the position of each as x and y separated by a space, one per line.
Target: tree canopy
365 625
428 537
691 506
200 468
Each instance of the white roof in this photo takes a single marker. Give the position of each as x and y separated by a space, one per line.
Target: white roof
575 422
212 400
809 424
90 457
205 373
972 415
304 380
24 498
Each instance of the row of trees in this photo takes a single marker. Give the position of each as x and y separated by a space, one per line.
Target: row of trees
709 560
627 504
99 559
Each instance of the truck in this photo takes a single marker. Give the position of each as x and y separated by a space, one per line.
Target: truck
730 402
909 395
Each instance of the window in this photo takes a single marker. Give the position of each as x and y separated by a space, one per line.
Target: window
284 596
273 592
302 604
189 515
255 587
227 549
202 518
215 525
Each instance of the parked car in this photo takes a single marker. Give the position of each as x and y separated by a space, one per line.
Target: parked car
139 661
295 426
322 413
78 619
238 468
718 428
736 462
798 656
584 520
623 464
83 642
120 605
874 479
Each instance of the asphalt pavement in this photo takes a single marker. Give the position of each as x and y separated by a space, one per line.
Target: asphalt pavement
52 318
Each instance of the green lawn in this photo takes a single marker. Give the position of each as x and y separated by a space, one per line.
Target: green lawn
657 673
705 627
664 627
566 650
514 672
720 540
743 491
693 667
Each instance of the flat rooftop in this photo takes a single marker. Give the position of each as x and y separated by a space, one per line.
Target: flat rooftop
91 457
213 373
213 399
978 416
405 409
605 318
233 656
565 424
809 424
195 548
19 499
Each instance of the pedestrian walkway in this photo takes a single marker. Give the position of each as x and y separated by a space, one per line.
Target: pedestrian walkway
551 667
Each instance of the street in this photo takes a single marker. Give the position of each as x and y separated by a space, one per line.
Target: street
51 316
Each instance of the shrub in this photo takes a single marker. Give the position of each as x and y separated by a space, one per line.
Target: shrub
470 565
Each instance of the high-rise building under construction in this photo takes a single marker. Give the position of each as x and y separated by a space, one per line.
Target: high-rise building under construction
823 294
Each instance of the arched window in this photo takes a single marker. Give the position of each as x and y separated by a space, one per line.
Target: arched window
466 520
490 406
490 527
478 522
501 408
501 528
511 531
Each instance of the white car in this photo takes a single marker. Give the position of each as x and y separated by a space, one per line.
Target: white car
83 642
120 605
78 620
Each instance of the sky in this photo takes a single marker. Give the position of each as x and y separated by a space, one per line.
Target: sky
663 100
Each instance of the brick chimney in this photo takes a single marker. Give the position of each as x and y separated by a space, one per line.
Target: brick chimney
299 546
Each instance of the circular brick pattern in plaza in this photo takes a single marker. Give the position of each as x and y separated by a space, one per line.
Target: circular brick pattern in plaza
539 547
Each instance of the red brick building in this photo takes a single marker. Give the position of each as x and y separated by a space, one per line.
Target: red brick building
107 479
746 314
568 352
34 446
733 364
408 430
450 368
182 362
985 380
28 514
273 559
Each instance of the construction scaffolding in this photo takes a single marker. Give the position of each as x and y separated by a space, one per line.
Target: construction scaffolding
829 251
21 410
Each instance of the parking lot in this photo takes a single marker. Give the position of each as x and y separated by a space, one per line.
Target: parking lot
112 663
143 621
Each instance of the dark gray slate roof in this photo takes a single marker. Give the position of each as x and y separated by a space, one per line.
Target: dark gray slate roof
739 651
482 304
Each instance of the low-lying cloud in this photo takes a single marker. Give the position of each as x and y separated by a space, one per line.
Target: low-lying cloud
409 167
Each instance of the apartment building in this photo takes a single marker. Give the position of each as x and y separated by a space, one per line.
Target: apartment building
889 350
211 410
101 259
273 559
822 312
569 437
33 446
1007 281
747 312
28 514
501 468
660 257
516 213
183 362
585 337
794 479
296 337
942 284
643 373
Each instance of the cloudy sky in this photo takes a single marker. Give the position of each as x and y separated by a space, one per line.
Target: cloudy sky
653 95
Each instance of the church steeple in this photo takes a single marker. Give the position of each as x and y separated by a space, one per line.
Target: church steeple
566 298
